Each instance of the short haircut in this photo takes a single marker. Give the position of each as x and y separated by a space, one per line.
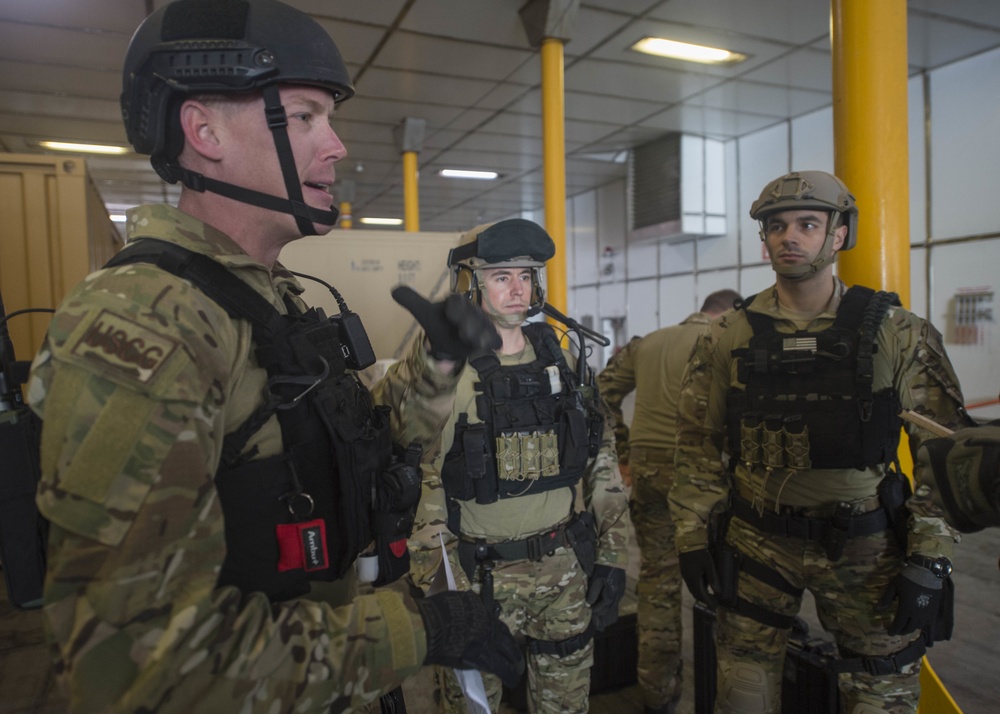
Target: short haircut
720 301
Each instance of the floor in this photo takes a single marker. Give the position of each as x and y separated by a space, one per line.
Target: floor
969 664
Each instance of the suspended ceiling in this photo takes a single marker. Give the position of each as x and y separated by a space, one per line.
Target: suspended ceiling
467 69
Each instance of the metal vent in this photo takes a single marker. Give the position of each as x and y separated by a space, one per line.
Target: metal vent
655 181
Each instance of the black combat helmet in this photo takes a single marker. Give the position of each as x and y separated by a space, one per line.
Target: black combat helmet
196 47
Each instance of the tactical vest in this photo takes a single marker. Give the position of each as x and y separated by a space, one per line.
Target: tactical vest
303 514
540 425
808 401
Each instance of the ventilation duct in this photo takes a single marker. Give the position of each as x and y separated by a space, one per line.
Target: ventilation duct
677 189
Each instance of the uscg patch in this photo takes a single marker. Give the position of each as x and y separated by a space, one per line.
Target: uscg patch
125 345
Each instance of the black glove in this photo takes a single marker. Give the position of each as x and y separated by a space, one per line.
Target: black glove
454 326
698 571
461 633
607 585
920 594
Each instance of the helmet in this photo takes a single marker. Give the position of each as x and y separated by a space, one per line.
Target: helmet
801 190
192 47
513 243
219 47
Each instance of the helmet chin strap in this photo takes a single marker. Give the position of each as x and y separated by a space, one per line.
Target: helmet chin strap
277 120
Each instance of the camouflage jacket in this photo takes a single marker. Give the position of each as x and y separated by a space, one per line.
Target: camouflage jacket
138 380
602 493
652 367
910 358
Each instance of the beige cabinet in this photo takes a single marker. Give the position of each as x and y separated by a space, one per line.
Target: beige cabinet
54 229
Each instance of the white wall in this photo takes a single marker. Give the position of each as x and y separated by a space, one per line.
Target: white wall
954 222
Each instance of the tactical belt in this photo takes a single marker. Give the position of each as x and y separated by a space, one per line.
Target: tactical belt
534 547
881 666
837 528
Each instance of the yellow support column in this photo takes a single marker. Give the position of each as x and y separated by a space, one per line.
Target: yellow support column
410 139
871 150
346 188
554 157
411 200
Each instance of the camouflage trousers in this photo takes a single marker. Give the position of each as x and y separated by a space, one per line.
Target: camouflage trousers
846 592
659 587
544 600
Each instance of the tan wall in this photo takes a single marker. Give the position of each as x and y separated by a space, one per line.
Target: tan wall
54 229
364 266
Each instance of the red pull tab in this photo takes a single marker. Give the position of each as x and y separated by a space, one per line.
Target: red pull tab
302 546
398 547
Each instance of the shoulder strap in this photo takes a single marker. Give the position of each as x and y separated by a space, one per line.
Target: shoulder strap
875 307
233 295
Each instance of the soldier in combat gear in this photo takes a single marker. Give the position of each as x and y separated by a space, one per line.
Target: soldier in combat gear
525 488
801 387
652 367
208 452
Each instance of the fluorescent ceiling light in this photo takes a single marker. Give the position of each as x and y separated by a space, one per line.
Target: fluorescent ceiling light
117 217
462 173
684 51
382 221
83 148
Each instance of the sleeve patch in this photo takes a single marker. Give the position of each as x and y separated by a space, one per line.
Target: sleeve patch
126 347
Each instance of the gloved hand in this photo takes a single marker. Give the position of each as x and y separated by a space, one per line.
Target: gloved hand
455 328
462 634
920 593
607 585
698 571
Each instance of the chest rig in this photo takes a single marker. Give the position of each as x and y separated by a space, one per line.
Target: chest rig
540 425
808 401
306 513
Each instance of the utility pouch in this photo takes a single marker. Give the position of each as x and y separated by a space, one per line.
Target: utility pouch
796 443
751 442
465 465
837 533
23 530
582 536
727 566
773 442
397 493
893 492
574 439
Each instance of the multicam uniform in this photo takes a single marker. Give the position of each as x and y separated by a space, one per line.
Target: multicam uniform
542 599
909 359
140 377
652 367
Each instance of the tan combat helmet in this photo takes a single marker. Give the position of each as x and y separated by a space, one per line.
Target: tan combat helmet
802 190
513 243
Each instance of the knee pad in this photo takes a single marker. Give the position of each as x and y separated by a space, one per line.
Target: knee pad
862 708
745 690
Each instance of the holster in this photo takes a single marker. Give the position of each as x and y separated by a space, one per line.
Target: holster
893 492
727 568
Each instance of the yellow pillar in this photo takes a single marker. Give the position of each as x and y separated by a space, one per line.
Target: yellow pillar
411 202
346 222
871 148
554 158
